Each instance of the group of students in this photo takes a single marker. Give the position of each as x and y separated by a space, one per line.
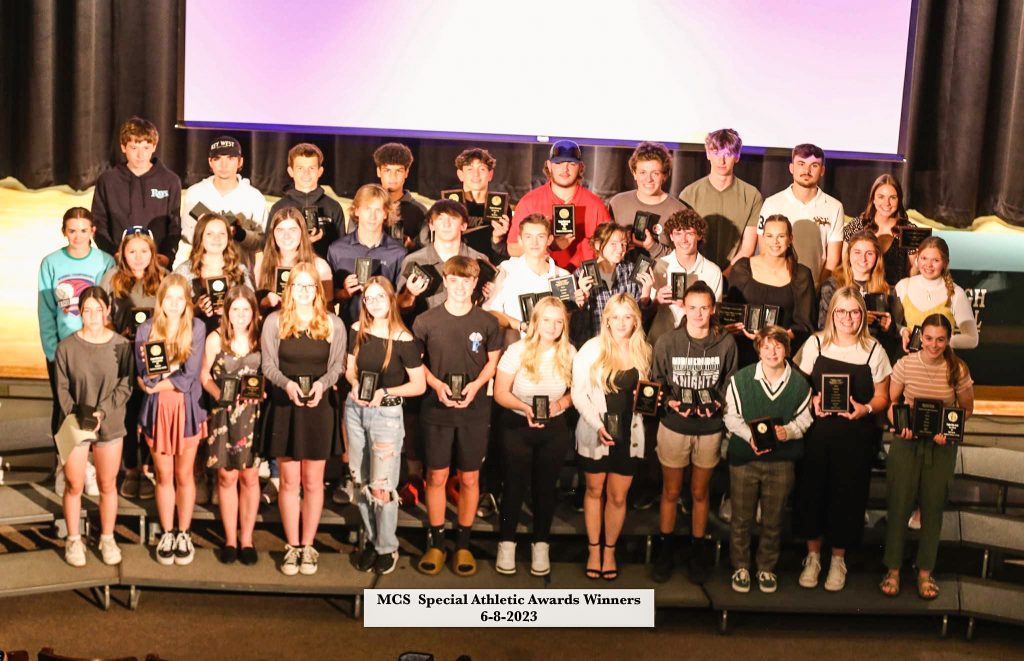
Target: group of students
600 340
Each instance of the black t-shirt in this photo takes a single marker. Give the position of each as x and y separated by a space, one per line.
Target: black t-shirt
454 345
405 354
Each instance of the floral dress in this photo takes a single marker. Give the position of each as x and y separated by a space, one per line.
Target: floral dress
231 439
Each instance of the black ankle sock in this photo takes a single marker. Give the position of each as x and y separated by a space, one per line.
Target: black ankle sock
462 541
437 536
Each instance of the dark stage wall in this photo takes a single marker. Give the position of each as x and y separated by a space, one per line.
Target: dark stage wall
73 70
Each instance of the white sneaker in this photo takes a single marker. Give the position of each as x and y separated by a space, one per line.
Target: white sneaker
58 482
725 509
74 552
540 564
812 568
110 552
263 470
290 564
165 549
91 488
184 550
836 579
506 562
310 558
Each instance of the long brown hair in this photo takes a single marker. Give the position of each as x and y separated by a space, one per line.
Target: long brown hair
790 255
954 366
395 324
232 258
867 217
938 243
320 326
124 280
876 279
179 347
271 255
227 331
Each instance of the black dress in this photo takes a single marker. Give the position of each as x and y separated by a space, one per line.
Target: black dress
618 459
302 432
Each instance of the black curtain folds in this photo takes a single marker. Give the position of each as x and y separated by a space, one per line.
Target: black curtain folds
72 70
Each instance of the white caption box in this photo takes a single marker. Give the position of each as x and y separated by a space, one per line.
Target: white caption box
508 608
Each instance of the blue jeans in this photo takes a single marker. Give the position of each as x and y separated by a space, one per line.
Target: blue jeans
374 451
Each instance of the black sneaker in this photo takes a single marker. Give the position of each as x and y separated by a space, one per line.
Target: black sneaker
701 561
487 507
228 554
577 498
248 556
386 563
366 559
184 551
165 547
664 561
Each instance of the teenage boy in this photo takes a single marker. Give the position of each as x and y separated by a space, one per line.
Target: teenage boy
368 240
817 218
138 193
305 167
730 205
63 275
701 360
768 389
530 273
447 221
462 344
227 192
686 229
564 171
651 165
393 161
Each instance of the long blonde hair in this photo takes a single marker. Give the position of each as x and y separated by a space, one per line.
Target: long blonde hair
320 327
876 279
530 359
179 347
828 335
271 255
938 243
232 258
607 366
395 324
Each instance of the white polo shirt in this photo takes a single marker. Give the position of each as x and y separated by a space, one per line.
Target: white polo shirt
668 317
515 278
815 225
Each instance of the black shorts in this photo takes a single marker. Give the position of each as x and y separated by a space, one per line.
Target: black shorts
468 442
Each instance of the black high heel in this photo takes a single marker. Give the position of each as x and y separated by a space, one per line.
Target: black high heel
609 574
593 574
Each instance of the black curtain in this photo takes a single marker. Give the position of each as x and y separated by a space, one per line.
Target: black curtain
73 70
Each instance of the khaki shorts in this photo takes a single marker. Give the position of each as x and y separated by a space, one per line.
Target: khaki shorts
676 450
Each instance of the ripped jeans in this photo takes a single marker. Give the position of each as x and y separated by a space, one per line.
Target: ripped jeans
374 455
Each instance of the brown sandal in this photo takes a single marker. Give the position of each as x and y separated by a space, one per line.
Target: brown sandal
463 563
432 561
890 585
927 588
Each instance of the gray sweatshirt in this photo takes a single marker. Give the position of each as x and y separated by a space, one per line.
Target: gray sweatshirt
97 375
681 361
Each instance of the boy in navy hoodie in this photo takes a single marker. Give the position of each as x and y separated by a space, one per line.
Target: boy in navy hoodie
305 167
140 192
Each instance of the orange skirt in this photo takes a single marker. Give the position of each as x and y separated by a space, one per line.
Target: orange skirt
170 426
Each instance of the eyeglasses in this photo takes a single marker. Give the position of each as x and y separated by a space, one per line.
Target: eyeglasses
302 287
136 230
849 314
376 298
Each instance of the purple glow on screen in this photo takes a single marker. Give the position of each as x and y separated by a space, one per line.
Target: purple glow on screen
779 72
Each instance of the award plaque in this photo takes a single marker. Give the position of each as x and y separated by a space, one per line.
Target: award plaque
953 424
87 418
646 401
312 217
687 401
706 401
876 303
252 387
928 418
910 237
281 275
754 318
914 343
365 267
454 195
138 316
731 313
644 222
762 432
156 358
217 288
305 382
396 231
771 315
680 283
643 264
526 303
367 385
564 289
199 210
457 383
541 408
613 425
563 219
429 273
229 388
835 393
900 418
589 268
495 206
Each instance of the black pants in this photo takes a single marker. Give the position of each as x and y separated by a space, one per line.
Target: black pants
55 414
531 457
136 450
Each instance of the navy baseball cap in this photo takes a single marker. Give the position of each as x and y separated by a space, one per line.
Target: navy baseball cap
565 150
225 145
